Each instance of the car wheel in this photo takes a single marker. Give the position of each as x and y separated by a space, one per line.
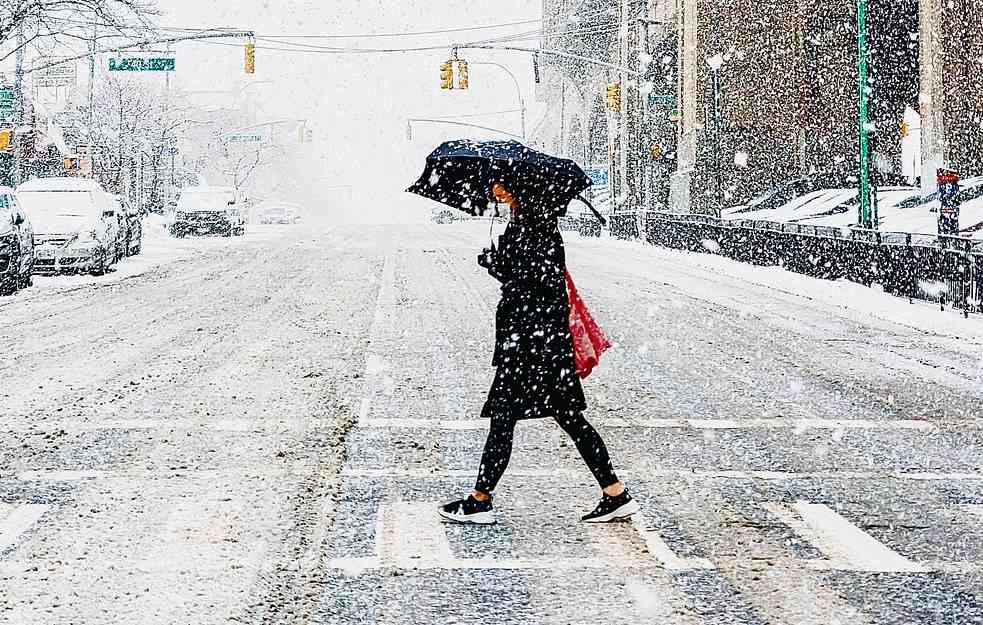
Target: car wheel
100 269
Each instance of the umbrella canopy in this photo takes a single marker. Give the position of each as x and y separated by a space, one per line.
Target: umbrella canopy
460 174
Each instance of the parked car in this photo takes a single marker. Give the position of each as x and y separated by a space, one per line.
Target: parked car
131 228
441 215
76 228
16 245
278 213
208 210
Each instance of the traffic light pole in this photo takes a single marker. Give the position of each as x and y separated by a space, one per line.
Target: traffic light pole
864 218
556 53
19 112
244 34
409 126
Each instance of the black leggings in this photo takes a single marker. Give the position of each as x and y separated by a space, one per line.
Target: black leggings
498 448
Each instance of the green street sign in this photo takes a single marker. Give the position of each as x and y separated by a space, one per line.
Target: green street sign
667 101
140 64
7 104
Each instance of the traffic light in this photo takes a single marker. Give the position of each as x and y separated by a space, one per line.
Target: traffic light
462 74
6 139
613 98
70 163
447 75
250 58
905 129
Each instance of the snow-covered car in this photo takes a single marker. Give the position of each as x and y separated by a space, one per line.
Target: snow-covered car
76 228
441 215
16 244
824 207
131 228
208 210
278 213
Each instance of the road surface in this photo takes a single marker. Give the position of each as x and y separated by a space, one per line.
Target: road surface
258 432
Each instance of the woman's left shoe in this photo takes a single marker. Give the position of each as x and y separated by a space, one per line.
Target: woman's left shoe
612 509
470 511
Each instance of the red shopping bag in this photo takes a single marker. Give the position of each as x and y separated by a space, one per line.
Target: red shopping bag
589 340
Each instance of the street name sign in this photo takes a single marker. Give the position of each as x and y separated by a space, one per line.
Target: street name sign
7 104
598 175
245 138
664 101
140 64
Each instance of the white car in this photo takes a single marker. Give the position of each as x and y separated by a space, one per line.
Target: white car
76 229
208 210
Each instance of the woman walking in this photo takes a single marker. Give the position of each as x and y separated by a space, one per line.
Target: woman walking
535 373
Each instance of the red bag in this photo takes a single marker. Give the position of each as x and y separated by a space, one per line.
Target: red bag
589 340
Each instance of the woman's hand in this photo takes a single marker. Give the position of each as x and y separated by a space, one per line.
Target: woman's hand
487 257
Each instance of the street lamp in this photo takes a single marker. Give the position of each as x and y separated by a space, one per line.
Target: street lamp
715 63
518 90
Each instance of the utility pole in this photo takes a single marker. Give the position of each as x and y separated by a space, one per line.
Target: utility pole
92 80
19 112
623 30
865 219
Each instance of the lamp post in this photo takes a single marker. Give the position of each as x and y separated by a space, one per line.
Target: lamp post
518 90
865 218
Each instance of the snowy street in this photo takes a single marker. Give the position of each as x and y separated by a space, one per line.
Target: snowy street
260 430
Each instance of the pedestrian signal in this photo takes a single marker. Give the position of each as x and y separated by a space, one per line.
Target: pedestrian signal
613 98
447 75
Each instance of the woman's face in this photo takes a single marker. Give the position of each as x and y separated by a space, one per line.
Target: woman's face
503 196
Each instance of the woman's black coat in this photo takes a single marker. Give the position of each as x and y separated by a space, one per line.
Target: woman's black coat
536 376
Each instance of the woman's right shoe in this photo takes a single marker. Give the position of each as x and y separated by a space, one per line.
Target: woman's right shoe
612 509
469 511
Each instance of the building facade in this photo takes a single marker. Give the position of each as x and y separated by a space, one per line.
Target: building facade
723 99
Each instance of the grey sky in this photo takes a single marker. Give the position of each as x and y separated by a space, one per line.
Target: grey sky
359 103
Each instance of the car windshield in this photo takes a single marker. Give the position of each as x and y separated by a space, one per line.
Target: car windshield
58 211
203 202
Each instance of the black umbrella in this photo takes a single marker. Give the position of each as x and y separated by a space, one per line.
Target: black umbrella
460 174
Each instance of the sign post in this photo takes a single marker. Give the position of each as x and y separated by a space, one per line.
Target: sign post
948 182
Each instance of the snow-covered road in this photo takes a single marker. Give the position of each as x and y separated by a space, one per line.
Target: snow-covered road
258 432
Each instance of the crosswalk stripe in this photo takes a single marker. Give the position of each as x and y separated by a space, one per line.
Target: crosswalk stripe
578 476
19 521
659 550
697 424
845 546
408 535
975 508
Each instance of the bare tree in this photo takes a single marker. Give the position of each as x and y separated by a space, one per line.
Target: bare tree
62 20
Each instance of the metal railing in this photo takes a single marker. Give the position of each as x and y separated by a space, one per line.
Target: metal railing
946 270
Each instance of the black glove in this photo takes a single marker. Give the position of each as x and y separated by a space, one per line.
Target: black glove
487 257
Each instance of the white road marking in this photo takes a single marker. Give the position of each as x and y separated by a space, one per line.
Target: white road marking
578 476
355 566
845 546
976 509
659 550
219 425
409 535
19 521
59 476
697 424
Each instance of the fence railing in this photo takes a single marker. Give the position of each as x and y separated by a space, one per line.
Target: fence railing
947 270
